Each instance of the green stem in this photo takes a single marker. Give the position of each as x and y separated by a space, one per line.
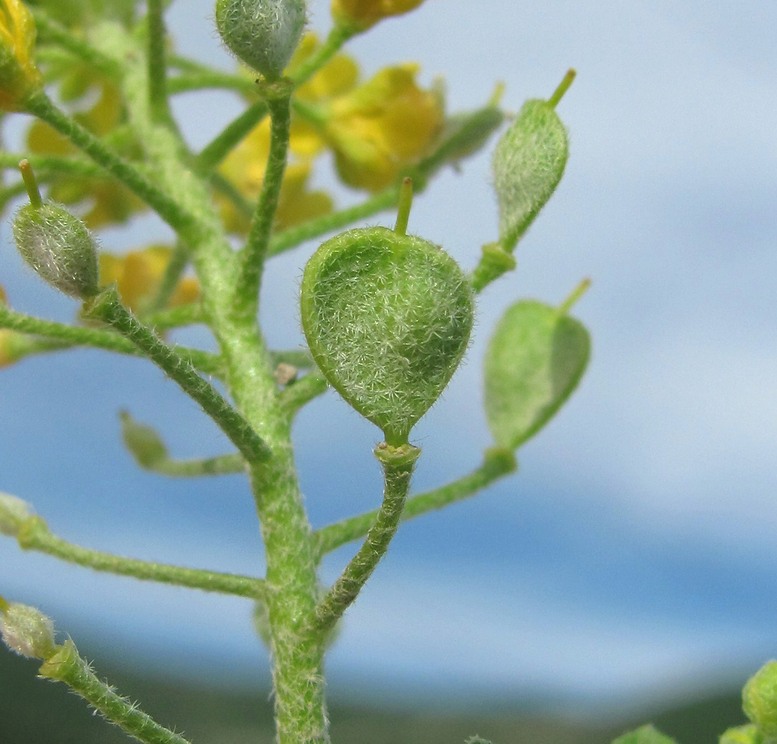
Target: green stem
496 464
67 666
194 77
62 336
334 41
225 141
170 211
157 64
398 464
255 251
294 236
107 307
222 465
173 272
222 144
34 534
295 396
175 317
53 32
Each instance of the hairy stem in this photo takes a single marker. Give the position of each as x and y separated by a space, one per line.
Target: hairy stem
66 665
398 464
108 308
496 464
34 534
255 251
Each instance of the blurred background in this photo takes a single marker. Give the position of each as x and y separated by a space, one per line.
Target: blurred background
632 558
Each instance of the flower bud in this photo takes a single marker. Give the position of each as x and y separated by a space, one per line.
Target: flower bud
528 163
759 700
13 513
262 33
59 247
360 15
26 630
387 317
19 77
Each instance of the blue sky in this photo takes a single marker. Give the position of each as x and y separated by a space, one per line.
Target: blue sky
635 549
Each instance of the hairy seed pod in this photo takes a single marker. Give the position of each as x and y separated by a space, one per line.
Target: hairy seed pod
528 163
59 247
262 33
388 318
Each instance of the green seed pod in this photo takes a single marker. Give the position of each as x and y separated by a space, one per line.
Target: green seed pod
262 33
534 361
387 317
528 163
59 247
759 700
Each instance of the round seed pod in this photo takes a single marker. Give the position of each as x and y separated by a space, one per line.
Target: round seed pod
388 318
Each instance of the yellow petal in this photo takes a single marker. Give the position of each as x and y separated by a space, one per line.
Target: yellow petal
138 275
383 126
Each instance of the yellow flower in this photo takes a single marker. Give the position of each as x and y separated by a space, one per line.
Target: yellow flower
382 127
361 14
19 77
138 275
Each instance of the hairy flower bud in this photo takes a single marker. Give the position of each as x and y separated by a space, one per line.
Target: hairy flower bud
262 33
362 14
13 513
59 247
26 630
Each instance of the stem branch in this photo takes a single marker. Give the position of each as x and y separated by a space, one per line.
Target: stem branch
34 534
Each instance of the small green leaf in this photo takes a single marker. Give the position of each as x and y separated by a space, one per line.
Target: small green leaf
644 735
387 317
534 361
